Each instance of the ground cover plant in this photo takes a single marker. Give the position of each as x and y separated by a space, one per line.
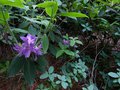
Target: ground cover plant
59 45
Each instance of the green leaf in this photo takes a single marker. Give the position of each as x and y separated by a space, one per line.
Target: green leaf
57 82
112 74
44 76
46 4
53 49
73 14
51 69
16 65
91 87
51 7
14 3
29 71
51 11
79 42
64 85
6 16
52 36
32 30
42 63
63 78
24 24
119 80
45 43
59 53
51 77
68 52
72 42
18 30
85 1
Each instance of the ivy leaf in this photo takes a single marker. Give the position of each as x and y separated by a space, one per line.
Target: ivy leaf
112 74
64 85
119 80
51 77
45 75
51 69
58 82
63 78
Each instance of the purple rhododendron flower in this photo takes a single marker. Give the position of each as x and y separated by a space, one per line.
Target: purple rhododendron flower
30 39
66 42
28 46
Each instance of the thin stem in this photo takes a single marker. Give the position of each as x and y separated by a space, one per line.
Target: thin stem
8 27
94 63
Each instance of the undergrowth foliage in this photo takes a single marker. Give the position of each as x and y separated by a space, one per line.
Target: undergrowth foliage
62 44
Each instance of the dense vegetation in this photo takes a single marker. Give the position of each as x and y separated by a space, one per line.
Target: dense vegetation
59 44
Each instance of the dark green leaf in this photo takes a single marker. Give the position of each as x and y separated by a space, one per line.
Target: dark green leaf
29 71
16 65
45 43
59 53
42 64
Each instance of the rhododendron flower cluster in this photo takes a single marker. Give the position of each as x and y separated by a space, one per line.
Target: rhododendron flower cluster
28 46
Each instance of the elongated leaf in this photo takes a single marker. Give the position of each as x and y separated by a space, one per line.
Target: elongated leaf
29 71
51 7
15 3
73 14
68 52
42 64
51 11
72 42
18 30
3 15
16 65
45 43
59 53
46 4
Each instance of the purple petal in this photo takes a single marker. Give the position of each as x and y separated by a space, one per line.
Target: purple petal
26 53
66 42
30 38
23 38
37 51
17 48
